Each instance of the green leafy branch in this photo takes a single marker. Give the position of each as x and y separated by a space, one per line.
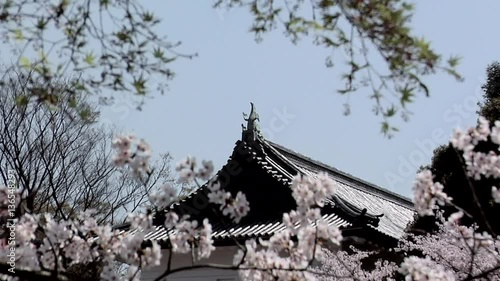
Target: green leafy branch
367 31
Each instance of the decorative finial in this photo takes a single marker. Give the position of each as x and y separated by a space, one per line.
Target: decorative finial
251 131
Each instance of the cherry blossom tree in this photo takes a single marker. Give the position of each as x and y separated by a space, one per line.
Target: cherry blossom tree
454 251
458 252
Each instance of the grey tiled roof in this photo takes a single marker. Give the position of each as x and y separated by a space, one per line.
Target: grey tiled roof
397 210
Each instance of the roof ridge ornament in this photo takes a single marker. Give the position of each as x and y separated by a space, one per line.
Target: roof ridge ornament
251 132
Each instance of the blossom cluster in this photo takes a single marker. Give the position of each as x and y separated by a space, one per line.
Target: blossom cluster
184 233
166 196
420 269
478 163
235 208
454 252
43 244
188 170
132 152
348 266
303 238
428 193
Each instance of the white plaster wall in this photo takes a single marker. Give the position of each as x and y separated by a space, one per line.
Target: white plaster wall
222 255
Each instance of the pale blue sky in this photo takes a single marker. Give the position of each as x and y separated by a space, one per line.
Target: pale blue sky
201 113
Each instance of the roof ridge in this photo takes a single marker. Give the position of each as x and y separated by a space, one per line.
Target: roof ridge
378 189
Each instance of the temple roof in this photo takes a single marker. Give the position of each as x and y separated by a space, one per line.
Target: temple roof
356 203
